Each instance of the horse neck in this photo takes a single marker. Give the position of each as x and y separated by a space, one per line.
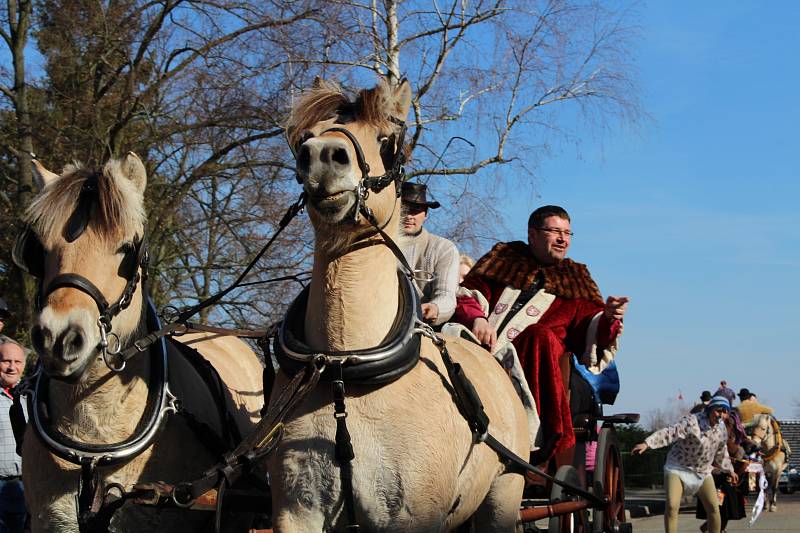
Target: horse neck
353 298
106 406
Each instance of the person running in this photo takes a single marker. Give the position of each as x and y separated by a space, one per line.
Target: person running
699 446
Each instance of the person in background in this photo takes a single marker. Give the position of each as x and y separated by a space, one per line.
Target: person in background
465 264
699 447
3 316
12 498
705 397
724 390
435 257
749 407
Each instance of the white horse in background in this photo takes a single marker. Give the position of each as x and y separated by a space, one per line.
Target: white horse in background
775 450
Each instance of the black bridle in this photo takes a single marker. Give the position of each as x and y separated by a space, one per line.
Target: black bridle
29 255
392 162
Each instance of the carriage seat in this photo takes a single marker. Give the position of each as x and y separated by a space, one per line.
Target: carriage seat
588 392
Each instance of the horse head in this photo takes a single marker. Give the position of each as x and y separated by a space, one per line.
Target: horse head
349 155
762 431
84 241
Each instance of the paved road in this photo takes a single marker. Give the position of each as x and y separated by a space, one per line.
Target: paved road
786 518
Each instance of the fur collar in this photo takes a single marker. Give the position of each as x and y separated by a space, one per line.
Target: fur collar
511 263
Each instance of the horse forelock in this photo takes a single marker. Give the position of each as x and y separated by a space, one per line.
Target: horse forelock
118 210
327 101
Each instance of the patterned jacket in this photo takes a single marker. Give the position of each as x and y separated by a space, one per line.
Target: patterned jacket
698 446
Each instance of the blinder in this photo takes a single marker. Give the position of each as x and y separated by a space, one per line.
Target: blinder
28 253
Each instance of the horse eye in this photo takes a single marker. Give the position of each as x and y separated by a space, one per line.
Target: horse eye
125 248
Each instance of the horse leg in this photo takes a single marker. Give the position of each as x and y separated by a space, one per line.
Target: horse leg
773 497
499 511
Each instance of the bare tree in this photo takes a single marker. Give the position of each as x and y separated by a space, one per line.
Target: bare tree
670 413
498 84
201 90
16 176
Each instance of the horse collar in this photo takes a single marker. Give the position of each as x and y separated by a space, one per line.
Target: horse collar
159 403
395 356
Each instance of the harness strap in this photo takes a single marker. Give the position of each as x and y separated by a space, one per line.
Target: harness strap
258 443
471 407
343 451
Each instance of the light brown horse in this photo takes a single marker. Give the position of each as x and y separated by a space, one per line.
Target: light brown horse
766 434
417 467
87 224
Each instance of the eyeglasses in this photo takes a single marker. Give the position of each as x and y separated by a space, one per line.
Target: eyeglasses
560 232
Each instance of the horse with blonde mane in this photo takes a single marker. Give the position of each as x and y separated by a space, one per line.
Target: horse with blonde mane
416 465
103 423
766 434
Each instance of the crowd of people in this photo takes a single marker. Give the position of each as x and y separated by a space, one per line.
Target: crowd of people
708 457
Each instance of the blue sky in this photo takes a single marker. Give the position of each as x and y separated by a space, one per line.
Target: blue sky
694 214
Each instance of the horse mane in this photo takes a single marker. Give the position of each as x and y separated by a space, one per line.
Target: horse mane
326 101
118 212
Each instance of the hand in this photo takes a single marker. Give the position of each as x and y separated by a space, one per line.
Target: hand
485 332
430 312
639 448
734 478
615 307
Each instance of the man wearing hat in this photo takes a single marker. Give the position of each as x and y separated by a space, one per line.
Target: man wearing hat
749 407
705 397
435 257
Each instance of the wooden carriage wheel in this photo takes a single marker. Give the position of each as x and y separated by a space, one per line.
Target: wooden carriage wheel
576 521
609 483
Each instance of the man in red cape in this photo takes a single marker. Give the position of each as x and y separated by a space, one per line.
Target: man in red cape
531 297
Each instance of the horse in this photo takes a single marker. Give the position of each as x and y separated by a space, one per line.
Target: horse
100 422
775 452
385 393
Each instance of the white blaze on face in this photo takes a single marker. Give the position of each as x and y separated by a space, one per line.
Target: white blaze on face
65 340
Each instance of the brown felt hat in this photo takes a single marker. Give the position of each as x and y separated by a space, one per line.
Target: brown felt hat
417 194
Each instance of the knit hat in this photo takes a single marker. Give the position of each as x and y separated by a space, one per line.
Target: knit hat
717 402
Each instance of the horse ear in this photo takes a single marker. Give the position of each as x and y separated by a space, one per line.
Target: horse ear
41 175
401 100
317 83
133 169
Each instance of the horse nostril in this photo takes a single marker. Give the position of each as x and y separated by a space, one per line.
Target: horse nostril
303 159
72 342
340 156
40 337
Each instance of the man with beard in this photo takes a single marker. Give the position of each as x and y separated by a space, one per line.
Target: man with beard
532 302
434 259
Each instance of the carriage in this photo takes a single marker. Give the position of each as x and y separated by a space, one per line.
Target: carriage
354 360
